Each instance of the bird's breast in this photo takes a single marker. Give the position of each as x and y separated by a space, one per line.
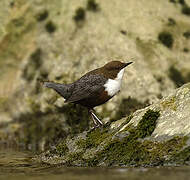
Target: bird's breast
112 86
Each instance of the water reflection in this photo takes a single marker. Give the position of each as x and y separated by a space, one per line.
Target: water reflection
19 165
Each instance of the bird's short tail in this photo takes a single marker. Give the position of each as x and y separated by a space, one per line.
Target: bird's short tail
63 89
49 84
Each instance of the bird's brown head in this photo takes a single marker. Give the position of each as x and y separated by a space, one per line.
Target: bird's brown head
112 68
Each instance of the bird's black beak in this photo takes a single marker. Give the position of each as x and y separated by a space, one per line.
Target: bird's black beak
126 64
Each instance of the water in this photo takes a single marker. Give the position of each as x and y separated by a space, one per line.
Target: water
19 165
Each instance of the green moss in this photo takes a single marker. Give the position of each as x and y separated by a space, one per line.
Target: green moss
92 5
186 34
73 157
166 39
176 76
62 148
80 15
118 152
127 107
42 15
163 152
182 157
94 138
50 27
147 124
128 150
186 10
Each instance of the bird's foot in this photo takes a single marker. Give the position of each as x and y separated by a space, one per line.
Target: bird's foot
97 122
94 128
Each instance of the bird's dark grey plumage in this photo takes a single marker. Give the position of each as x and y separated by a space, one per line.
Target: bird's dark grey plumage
63 89
84 88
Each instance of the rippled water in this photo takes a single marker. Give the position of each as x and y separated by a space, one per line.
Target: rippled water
18 165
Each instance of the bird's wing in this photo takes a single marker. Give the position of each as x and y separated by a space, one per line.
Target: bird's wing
87 86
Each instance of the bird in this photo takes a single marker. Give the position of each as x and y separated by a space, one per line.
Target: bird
94 88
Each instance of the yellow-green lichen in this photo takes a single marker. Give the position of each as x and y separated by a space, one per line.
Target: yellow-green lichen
170 103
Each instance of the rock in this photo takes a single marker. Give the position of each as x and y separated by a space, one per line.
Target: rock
156 135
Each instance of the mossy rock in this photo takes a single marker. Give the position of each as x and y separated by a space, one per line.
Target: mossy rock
106 147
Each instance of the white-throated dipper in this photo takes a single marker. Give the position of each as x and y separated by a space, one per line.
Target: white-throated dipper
94 88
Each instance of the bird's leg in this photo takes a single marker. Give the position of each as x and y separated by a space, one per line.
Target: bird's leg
96 120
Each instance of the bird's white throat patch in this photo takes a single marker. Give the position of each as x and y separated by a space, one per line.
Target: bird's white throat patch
113 86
